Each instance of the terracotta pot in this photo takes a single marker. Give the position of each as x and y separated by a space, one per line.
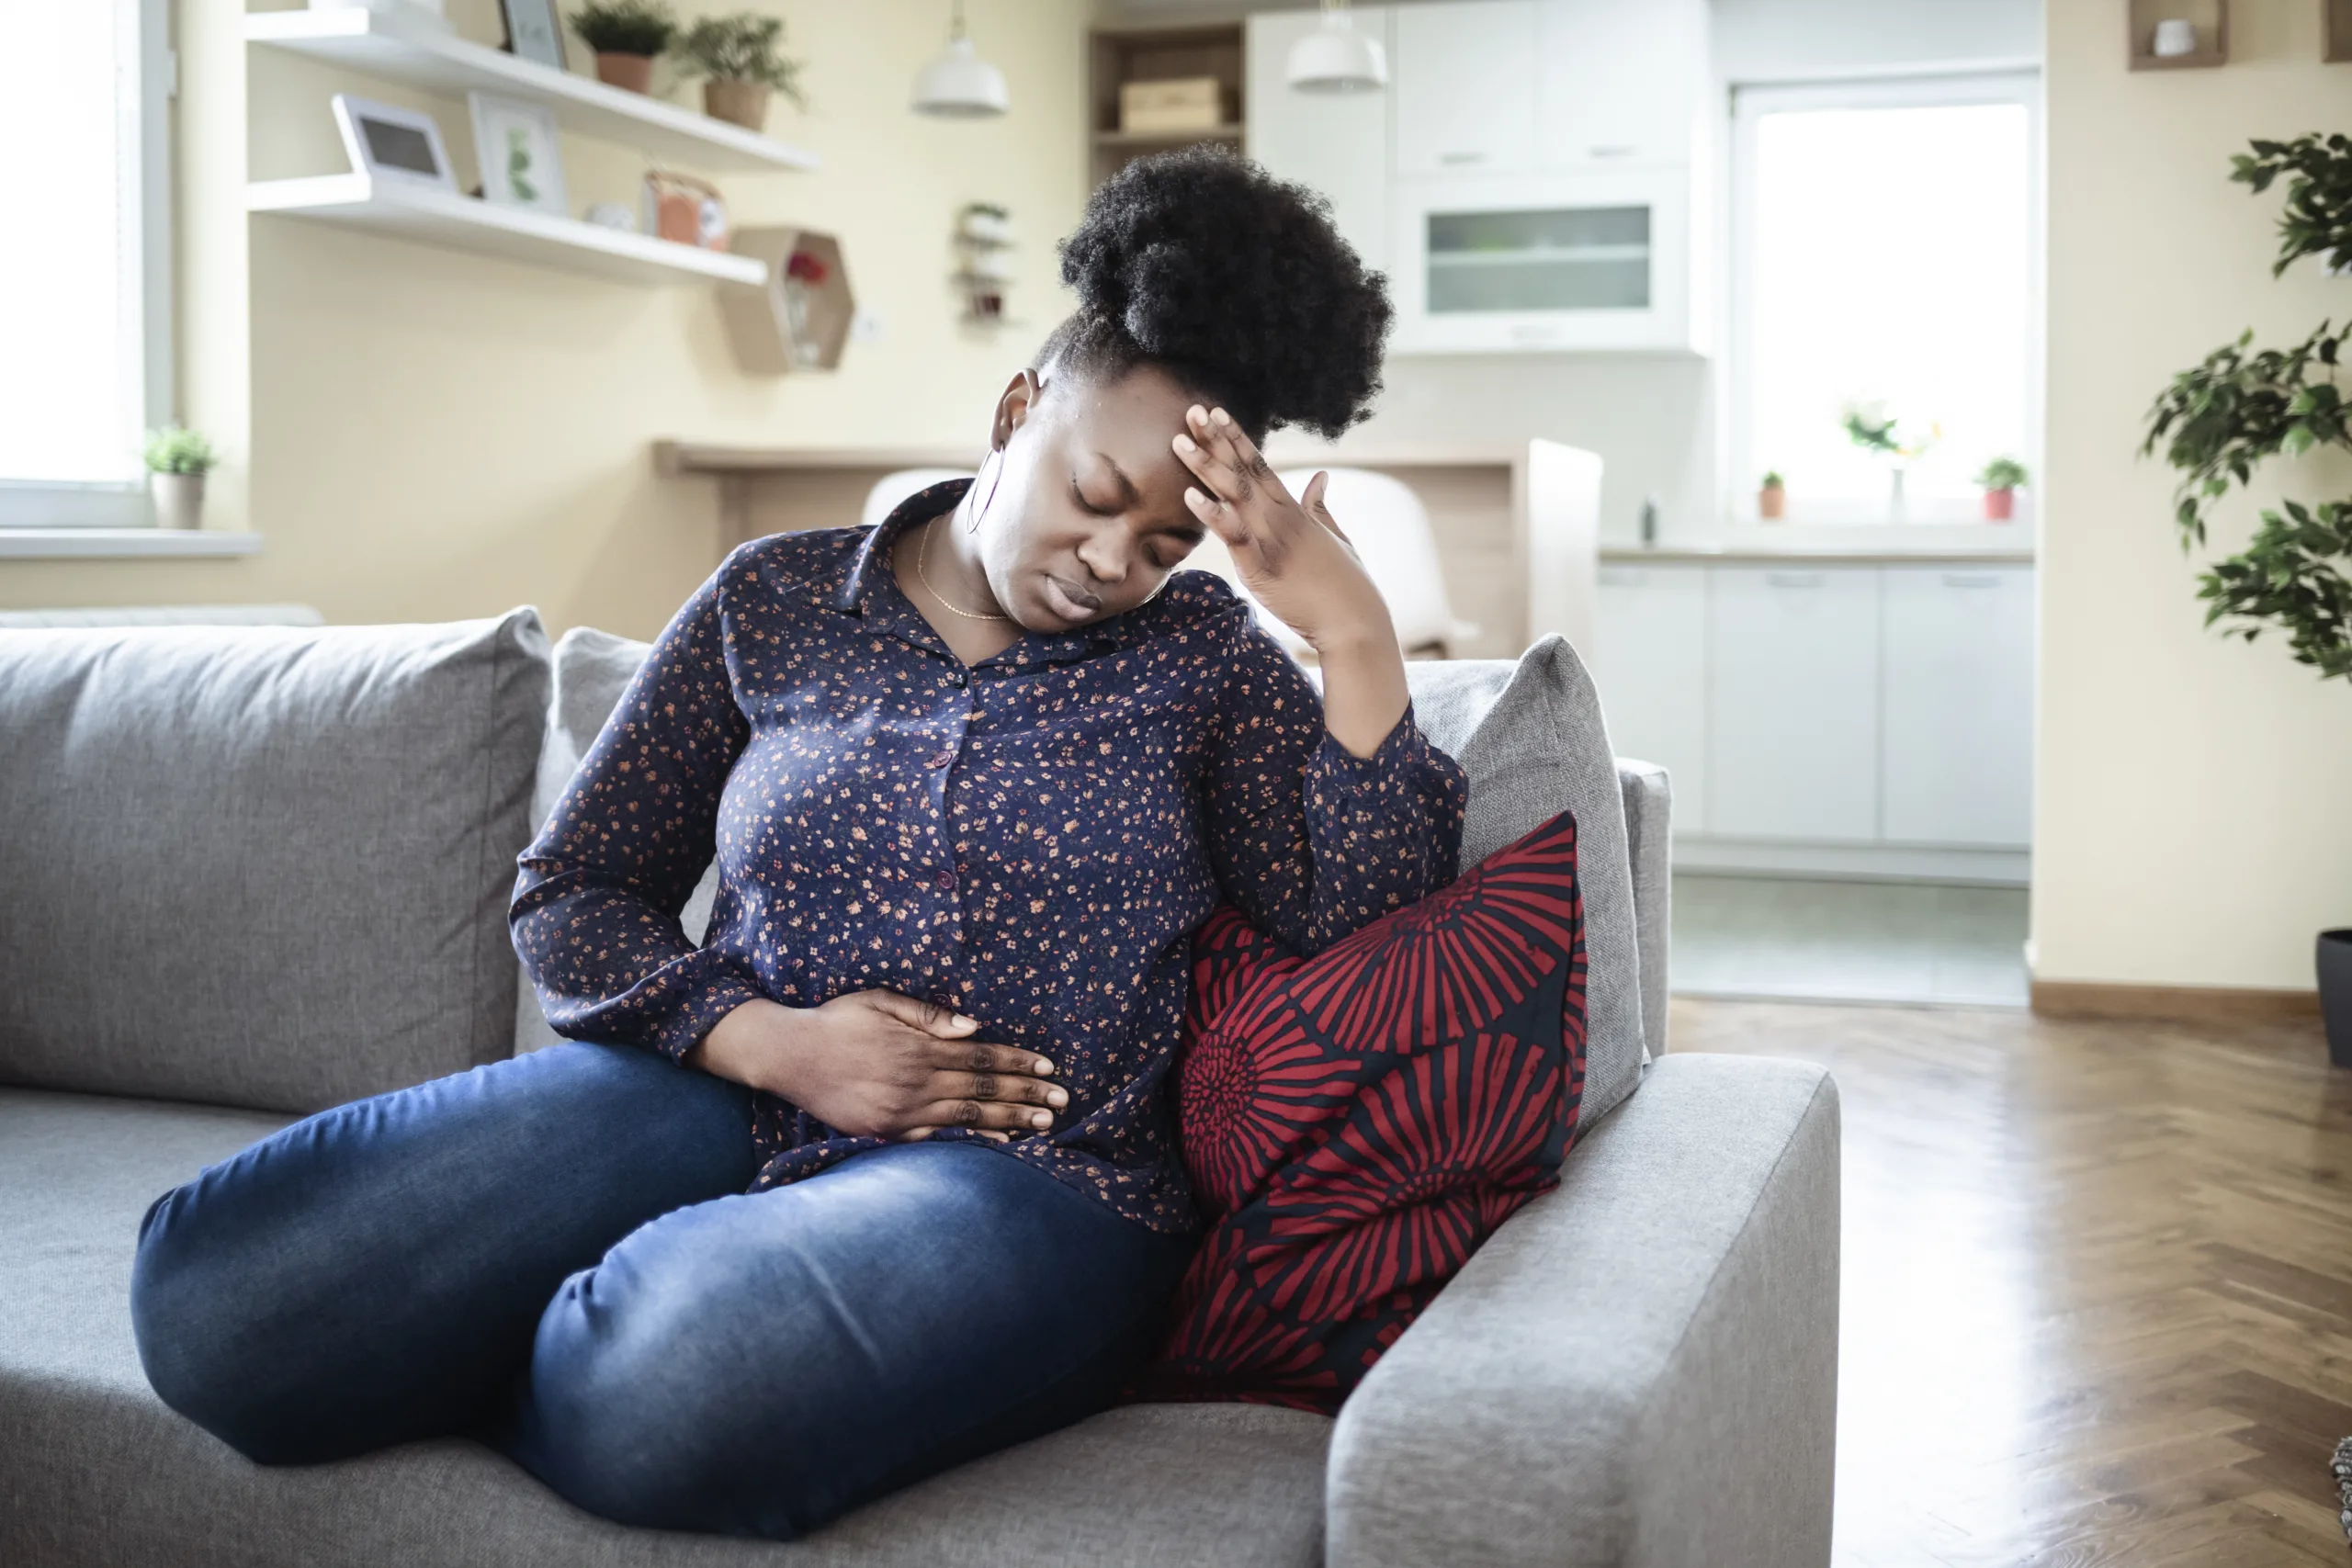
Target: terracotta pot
737 102
180 499
1771 503
2000 505
633 71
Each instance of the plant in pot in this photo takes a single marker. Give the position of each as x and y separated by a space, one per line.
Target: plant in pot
2236 409
1869 426
626 36
1771 497
739 58
2002 479
176 462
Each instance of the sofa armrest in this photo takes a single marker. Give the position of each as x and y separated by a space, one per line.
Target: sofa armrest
1640 1368
1649 826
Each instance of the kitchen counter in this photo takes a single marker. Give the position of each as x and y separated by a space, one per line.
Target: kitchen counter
1685 555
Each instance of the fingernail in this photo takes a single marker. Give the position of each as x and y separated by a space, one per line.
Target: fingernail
1183 443
1221 416
1043 1066
1042 1119
1056 1098
962 1023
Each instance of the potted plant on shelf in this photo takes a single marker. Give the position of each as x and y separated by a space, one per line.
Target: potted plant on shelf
2002 478
1771 497
2235 409
1869 426
739 58
176 462
626 36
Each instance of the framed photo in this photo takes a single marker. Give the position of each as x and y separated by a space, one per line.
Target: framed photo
521 164
534 31
394 143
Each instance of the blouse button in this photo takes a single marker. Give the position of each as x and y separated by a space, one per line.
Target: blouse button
939 759
945 881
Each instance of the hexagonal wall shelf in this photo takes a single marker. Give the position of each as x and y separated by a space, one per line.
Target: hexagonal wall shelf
799 318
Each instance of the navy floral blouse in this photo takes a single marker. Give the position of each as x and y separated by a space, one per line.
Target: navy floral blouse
1031 840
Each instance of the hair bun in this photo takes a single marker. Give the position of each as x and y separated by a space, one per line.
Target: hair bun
1202 260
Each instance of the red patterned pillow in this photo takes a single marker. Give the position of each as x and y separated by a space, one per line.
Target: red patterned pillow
1356 1123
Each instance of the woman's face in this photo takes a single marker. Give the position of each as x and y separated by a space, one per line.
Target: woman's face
1088 515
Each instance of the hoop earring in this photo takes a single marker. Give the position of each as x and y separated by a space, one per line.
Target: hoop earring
996 455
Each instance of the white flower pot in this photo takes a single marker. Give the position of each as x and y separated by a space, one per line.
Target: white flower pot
180 499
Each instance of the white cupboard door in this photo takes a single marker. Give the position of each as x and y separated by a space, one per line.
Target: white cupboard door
1335 143
1649 663
1465 80
1617 82
1960 705
1792 700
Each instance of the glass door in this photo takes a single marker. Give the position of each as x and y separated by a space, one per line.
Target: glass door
1553 258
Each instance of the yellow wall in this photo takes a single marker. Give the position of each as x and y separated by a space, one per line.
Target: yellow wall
2194 797
422 434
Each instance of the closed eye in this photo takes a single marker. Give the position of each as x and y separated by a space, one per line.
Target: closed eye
1085 505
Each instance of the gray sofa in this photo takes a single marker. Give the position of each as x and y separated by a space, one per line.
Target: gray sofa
247 873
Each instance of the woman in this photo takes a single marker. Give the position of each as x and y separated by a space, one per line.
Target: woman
882 1177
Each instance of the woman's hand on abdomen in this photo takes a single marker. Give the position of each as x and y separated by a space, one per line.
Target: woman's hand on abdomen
877 1064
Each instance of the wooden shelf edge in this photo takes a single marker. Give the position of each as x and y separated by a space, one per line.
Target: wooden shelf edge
1167 137
460 222
396 48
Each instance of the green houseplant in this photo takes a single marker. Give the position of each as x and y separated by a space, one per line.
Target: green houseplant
176 462
741 59
2001 479
626 36
1771 497
2238 408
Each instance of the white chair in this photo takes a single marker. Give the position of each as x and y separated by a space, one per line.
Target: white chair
1390 529
894 488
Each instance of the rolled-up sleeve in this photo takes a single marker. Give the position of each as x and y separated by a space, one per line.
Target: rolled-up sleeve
597 894
1309 839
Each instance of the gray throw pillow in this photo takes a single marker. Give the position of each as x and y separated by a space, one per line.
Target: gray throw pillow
261 866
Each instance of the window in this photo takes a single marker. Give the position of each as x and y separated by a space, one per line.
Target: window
85 275
1885 236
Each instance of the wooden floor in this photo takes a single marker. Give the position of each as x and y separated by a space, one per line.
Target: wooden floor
2097 1302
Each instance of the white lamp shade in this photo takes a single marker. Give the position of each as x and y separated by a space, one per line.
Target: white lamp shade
959 85
1335 58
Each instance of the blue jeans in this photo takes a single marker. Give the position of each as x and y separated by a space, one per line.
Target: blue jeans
555 1254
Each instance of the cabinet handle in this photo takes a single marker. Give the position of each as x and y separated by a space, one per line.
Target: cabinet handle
1462 157
1972 579
1796 579
1623 577
1618 150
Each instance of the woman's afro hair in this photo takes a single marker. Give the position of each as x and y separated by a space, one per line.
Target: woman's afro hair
1235 283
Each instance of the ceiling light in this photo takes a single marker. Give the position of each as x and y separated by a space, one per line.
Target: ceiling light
959 85
1335 58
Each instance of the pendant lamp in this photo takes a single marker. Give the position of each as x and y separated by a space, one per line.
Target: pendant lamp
1335 58
959 85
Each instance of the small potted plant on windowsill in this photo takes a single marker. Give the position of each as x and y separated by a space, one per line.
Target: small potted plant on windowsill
626 36
739 58
2002 479
1771 497
176 462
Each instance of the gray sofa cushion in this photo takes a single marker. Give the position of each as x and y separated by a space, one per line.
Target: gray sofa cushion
261 866
94 1469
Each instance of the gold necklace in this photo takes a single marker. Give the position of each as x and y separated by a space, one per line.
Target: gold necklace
922 571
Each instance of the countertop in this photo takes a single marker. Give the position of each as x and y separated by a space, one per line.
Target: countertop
1684 555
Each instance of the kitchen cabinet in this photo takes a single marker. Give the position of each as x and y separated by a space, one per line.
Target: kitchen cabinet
1336 143
1649 662
1959 677
1464 77
1619 83
1792 703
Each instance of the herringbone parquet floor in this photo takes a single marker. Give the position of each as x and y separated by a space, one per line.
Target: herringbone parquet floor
2097 1302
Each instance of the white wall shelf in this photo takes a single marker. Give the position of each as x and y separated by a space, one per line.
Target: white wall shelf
396 49
461 223
88 543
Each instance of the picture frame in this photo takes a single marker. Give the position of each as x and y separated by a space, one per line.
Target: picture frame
388 142
516 148
534 31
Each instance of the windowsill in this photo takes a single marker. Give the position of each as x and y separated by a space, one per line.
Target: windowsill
91 543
